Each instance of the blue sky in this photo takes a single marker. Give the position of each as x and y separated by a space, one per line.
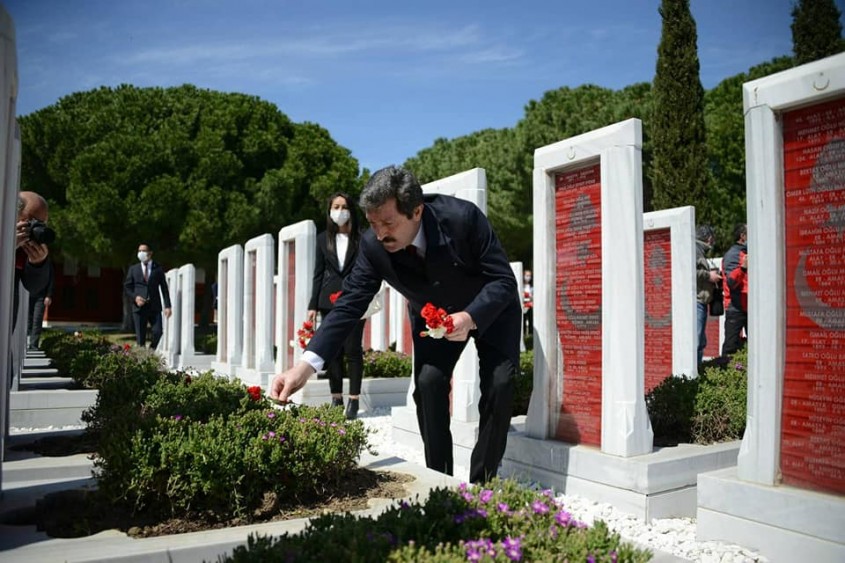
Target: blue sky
386 78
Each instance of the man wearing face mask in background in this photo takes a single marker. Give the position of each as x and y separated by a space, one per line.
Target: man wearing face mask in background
142 285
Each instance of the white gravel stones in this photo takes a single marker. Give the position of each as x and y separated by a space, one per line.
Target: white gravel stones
670 535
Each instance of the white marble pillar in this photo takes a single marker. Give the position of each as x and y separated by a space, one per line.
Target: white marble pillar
9 163
230 295
297 248
625 427
188 289
378 325
516 267
259 269
169 347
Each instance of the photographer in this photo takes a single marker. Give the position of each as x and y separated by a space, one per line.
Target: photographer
32 237
735 276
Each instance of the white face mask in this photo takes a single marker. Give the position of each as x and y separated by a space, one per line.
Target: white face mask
142 256
339 216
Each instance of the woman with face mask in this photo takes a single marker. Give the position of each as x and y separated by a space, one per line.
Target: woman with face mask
337 249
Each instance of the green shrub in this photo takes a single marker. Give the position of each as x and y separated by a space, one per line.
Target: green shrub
75 354
703 410
671 408
501 522
721 402
386 363
228 464
524 383
206 342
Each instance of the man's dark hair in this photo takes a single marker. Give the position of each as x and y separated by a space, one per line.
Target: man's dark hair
739 230
704 232
392 183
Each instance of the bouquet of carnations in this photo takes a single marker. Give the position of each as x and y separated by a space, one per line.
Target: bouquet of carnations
437 321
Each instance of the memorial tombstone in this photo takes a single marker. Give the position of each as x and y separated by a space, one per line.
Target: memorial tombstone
259 269
587 430
786 497
169 345
230 307
670 309
297 248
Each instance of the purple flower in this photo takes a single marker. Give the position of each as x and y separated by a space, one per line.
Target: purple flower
404 505
481 513
176 417
485 496
282 439
512 548
539 507
613 557
563 518
548 493
271 415
739 366
459 518
591 558
341 431
462 487
503 507
468 497
271 434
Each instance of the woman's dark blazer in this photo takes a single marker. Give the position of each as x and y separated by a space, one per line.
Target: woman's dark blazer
328 275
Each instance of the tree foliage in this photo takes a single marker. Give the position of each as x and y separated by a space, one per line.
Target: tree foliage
816 30
189 171
679 168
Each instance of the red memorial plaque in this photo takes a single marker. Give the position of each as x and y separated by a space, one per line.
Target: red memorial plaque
293 324
657 251
713 331
223 308
813 425
578 289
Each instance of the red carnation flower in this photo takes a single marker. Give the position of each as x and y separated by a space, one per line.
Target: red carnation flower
254 392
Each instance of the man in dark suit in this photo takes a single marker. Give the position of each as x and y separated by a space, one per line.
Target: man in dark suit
142 285
440 250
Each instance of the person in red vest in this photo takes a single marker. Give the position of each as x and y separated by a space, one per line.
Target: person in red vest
735 289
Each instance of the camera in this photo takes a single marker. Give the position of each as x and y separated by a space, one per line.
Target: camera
39 232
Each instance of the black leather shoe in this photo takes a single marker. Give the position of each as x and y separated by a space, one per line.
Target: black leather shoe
337 402
352 409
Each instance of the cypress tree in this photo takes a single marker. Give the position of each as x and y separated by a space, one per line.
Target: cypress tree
679 158
816 30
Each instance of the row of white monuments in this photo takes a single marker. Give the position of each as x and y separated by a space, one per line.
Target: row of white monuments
601 340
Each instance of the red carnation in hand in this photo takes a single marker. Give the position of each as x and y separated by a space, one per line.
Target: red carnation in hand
334 296
437 321
254 392
304 334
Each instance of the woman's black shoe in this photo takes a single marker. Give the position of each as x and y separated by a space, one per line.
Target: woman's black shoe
337 402
352 409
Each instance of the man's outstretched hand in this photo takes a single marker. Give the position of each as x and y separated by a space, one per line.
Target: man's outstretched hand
289 382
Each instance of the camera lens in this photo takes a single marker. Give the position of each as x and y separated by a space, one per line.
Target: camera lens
41 233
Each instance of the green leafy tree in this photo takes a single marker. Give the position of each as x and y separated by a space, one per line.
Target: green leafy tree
187 170
679 168
190 171
816 30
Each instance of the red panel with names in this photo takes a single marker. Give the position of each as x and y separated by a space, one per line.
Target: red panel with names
657 250
578 289
813 424
293 325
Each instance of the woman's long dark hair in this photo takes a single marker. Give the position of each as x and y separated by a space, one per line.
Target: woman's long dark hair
332 228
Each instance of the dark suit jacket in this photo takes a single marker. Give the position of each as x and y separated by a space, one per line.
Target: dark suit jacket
135 285
465 269
34 277
328 275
